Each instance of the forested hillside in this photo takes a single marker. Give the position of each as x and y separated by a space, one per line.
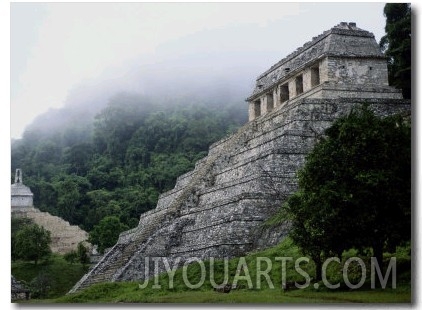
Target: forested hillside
84 166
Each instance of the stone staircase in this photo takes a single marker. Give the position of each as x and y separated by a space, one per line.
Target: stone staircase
113 263
130 241
217 209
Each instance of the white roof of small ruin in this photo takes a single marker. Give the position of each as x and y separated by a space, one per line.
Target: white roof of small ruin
18 189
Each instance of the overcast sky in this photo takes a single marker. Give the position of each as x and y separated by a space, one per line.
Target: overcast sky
56 46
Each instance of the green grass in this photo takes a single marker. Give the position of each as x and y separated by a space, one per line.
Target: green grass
130 292
61 275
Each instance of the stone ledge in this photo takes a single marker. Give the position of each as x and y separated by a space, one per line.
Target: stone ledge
210 245
224 221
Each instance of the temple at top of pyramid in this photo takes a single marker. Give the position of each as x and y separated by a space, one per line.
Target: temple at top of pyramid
343 62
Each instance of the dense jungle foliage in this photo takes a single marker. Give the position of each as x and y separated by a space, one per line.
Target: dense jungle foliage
84 168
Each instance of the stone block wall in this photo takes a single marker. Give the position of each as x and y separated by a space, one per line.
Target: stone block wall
20 202
362 71
353 43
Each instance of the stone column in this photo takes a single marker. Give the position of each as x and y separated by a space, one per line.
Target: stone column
276 97
292 88
18 176
254 109
307 83
268 103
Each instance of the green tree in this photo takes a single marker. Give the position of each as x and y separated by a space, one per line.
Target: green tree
77 158
397 45
120 161
32 243
71 256
106 233
45 195
355 188
82 254
41 284
71 195
17 224
115 125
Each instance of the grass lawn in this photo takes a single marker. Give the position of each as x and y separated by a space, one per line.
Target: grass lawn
58 276
131 292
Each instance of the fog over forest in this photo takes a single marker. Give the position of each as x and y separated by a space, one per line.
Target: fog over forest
189 81
214 78
82 54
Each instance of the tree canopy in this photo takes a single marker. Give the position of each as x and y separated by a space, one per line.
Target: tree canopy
355 188
397 45
17 223
32 242
118 162
106 233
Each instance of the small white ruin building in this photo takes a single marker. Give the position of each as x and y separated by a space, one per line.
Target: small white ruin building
64 237
21 195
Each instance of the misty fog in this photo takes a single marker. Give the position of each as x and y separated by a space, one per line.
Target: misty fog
79 55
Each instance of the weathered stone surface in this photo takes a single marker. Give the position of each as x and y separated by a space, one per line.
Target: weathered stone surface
18 290
21 196
343 62
64 237
218 209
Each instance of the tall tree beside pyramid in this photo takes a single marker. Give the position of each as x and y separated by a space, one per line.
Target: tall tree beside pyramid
397 45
